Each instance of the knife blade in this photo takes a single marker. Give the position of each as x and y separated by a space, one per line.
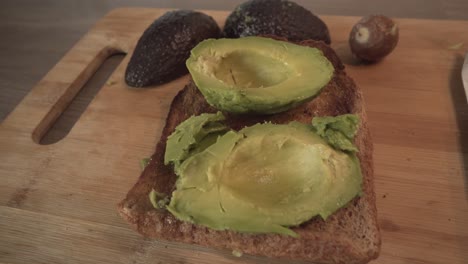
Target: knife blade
464 74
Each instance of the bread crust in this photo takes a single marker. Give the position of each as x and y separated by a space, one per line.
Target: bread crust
350 235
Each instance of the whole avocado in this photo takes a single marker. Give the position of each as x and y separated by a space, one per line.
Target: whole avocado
162 50
275 17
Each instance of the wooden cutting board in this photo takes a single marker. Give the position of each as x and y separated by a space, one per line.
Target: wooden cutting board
58 202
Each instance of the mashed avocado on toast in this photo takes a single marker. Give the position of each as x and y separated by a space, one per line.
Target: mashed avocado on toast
263 178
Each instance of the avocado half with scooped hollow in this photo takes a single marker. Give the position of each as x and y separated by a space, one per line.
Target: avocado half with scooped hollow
256 74
263 178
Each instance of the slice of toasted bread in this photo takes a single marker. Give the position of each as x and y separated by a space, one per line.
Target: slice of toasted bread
350 235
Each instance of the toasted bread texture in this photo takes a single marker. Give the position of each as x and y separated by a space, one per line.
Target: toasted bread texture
350 235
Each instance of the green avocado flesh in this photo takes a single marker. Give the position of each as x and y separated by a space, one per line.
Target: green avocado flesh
192 136
338 131
261 179
255 74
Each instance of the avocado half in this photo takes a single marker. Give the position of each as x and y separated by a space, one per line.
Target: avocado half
165 45
281 18
256 74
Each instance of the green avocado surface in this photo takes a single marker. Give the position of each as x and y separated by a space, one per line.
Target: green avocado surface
338 131
192 136
256 74
262 179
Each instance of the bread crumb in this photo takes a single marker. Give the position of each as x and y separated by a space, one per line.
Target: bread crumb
455 46
237 253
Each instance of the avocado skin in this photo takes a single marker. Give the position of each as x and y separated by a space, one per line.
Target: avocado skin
275 17
162 50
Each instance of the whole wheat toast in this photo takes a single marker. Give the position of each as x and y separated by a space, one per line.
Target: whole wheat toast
350 235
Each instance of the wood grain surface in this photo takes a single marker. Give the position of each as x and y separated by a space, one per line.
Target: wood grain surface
58 201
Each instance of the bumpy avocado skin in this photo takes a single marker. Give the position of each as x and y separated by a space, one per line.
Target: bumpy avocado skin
275 17
162 50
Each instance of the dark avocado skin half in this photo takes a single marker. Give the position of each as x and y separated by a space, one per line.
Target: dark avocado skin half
275 17
162 50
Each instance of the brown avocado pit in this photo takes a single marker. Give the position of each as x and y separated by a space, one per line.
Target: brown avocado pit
373 38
